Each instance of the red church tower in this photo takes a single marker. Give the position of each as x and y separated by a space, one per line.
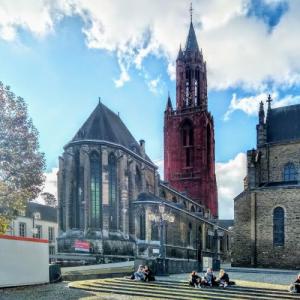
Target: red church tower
189 145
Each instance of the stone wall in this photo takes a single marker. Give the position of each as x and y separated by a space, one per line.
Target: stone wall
253 231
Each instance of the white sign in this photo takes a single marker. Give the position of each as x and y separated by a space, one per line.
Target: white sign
207 262
155 251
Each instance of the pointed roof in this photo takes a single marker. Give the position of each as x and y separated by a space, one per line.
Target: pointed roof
191 41
169 103
104 125
180 53
283 124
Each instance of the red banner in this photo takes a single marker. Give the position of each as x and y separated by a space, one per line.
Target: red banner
82 246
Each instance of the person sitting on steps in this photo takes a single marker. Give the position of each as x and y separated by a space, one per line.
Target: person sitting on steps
195 280
209 278
295 287
139 274
223 279
148 274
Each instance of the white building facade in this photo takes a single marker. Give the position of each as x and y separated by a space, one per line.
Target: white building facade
37 221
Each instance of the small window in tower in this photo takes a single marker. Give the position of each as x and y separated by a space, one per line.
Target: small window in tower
187 93
196 92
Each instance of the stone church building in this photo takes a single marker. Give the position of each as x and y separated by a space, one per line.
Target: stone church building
267 214
109 191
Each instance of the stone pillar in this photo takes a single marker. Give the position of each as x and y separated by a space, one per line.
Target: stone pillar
253 228
204 233
68 158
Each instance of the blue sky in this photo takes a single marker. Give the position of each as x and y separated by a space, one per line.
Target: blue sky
60 56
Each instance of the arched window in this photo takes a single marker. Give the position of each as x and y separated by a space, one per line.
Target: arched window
290 172
193 208
174 199
278 226
188 141
113 204
95 183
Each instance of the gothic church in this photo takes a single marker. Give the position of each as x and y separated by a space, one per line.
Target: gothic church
108 188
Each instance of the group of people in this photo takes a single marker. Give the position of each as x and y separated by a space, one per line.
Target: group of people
143 273
209 279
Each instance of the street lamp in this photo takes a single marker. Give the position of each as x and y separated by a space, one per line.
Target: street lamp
162 218
217 234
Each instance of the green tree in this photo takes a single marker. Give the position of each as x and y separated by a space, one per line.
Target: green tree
21 163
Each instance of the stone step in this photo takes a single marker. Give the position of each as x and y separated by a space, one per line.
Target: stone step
210 291
231 289
177 290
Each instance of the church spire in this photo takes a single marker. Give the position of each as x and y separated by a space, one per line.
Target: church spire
191 42
169 106
180 53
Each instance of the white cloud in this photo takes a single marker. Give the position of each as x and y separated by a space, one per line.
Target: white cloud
230 177
50 184
250 105
240 50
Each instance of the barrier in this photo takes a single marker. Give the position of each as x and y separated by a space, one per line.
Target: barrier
23 261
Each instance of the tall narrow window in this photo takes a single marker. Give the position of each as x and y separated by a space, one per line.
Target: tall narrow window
188 141
189 236
278 226
138 179
154 232
113 204
289 173
95 207
188 98
197 86
22 229
142 226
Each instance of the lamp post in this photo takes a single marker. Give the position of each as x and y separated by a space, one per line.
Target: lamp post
216 261
162 218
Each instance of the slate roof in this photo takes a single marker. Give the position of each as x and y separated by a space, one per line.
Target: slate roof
283 124
103 124
47 213
225 223
191 41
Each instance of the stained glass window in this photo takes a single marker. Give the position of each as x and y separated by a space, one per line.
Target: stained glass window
95 190
113 205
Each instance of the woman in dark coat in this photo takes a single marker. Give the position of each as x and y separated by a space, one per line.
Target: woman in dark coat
148 274
195 280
